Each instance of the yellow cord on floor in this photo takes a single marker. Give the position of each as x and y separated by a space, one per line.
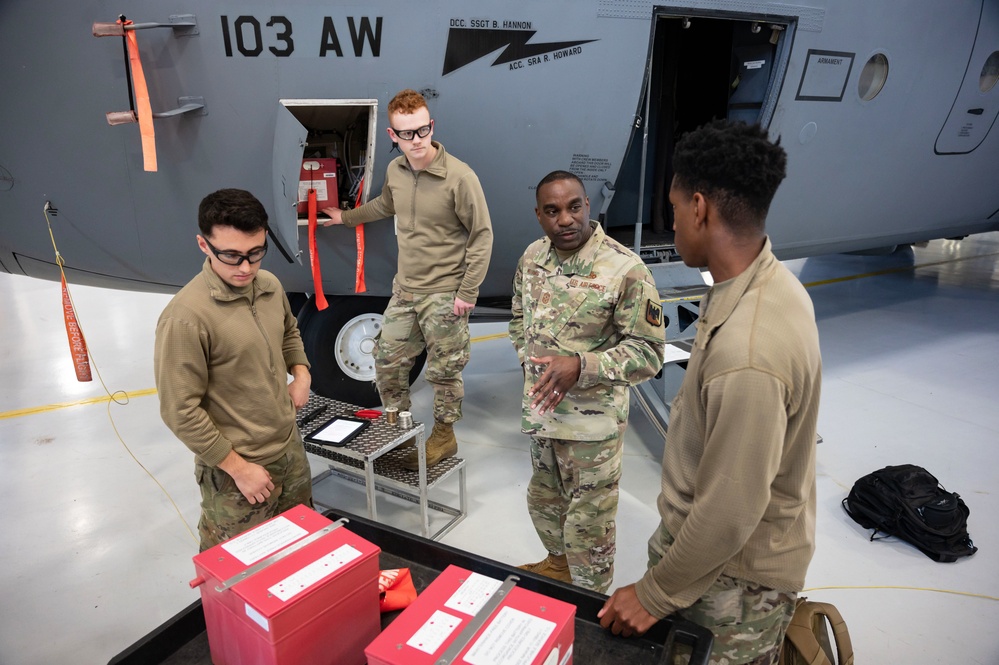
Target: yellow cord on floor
118 396
901 588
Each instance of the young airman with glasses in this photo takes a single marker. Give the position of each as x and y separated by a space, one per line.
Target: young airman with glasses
225 345
445 241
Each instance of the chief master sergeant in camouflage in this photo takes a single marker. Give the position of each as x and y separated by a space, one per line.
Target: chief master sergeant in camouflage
587 324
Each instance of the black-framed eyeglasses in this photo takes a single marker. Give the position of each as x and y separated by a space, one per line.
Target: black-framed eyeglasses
410 134
235 258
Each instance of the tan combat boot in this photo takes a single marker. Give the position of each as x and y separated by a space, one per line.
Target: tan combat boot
555 566
440 445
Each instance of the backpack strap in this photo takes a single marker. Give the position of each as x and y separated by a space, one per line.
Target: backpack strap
801 633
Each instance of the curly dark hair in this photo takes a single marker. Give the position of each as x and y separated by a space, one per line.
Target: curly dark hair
231 207
736 166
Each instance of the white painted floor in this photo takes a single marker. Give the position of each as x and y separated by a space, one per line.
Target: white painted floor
97 543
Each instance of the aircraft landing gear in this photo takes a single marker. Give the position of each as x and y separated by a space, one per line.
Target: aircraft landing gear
339 342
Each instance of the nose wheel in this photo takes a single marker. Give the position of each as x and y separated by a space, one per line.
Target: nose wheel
340 344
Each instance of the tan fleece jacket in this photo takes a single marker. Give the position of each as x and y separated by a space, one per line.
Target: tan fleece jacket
444 232
221 361
738 480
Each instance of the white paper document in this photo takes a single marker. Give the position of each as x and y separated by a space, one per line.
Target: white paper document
512 638
473 594
432 634
263 541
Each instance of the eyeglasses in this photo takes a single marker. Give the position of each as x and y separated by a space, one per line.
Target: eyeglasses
410 134
235 258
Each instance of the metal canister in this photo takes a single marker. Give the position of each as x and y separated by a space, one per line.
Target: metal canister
391 414
405 420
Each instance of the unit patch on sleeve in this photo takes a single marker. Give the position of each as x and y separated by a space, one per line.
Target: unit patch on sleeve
654 313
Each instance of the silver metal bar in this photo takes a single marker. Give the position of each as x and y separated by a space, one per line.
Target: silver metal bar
277 556
369 483
185 105
183 25
645 163
421 451
480 618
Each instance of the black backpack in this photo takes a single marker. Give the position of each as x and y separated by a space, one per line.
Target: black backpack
908 502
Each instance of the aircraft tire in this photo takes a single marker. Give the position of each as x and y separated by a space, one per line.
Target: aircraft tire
339 341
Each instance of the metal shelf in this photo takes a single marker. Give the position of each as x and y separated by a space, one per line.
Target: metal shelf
373 459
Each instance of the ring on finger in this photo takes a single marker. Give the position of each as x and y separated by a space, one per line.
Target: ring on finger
556 392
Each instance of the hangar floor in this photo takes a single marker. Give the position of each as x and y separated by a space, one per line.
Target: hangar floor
97 554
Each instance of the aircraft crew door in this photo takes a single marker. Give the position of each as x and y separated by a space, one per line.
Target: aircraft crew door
977 104
700 68
289 139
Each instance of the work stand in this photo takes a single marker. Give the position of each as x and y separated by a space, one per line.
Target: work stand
374 459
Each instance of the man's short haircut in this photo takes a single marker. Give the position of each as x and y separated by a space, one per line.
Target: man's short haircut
736 166
231 207
558 175
407 102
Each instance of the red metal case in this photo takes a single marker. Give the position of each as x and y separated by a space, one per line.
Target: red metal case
320 175
453 614
298 589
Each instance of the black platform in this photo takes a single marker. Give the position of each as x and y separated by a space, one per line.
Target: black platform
182 639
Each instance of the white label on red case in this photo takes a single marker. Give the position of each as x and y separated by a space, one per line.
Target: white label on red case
263 541
567 656
552 658
315 572
322 194
432 634
473 594
512 638
259 618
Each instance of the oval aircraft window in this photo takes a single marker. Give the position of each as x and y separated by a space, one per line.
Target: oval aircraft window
873 77
990 73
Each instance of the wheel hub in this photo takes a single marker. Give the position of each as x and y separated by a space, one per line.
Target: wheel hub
355 346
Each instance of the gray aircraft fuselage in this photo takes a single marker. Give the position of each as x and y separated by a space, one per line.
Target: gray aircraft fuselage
516 89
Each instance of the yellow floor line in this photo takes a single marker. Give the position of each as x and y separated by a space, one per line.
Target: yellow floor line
888 271
487 338
65 405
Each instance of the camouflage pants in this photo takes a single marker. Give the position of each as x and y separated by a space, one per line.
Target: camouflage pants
226 513
417 321
572 500
748 620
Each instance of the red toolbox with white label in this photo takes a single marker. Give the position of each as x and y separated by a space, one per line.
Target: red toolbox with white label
298 589
464 617
320 175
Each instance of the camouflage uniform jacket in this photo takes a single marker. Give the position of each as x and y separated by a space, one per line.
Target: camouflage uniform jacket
600 304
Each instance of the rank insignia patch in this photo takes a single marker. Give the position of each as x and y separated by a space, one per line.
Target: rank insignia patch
654 313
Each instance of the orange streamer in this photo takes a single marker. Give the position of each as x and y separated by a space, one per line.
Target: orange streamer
143 109
359 285
317 278
77 344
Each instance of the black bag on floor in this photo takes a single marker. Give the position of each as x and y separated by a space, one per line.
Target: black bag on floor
908 502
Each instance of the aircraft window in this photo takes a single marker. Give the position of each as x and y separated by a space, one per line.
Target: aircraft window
873 77
990 73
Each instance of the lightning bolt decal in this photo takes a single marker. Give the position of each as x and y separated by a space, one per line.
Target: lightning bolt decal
466 45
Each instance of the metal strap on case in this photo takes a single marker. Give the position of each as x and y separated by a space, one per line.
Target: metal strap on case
480 618
277 556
